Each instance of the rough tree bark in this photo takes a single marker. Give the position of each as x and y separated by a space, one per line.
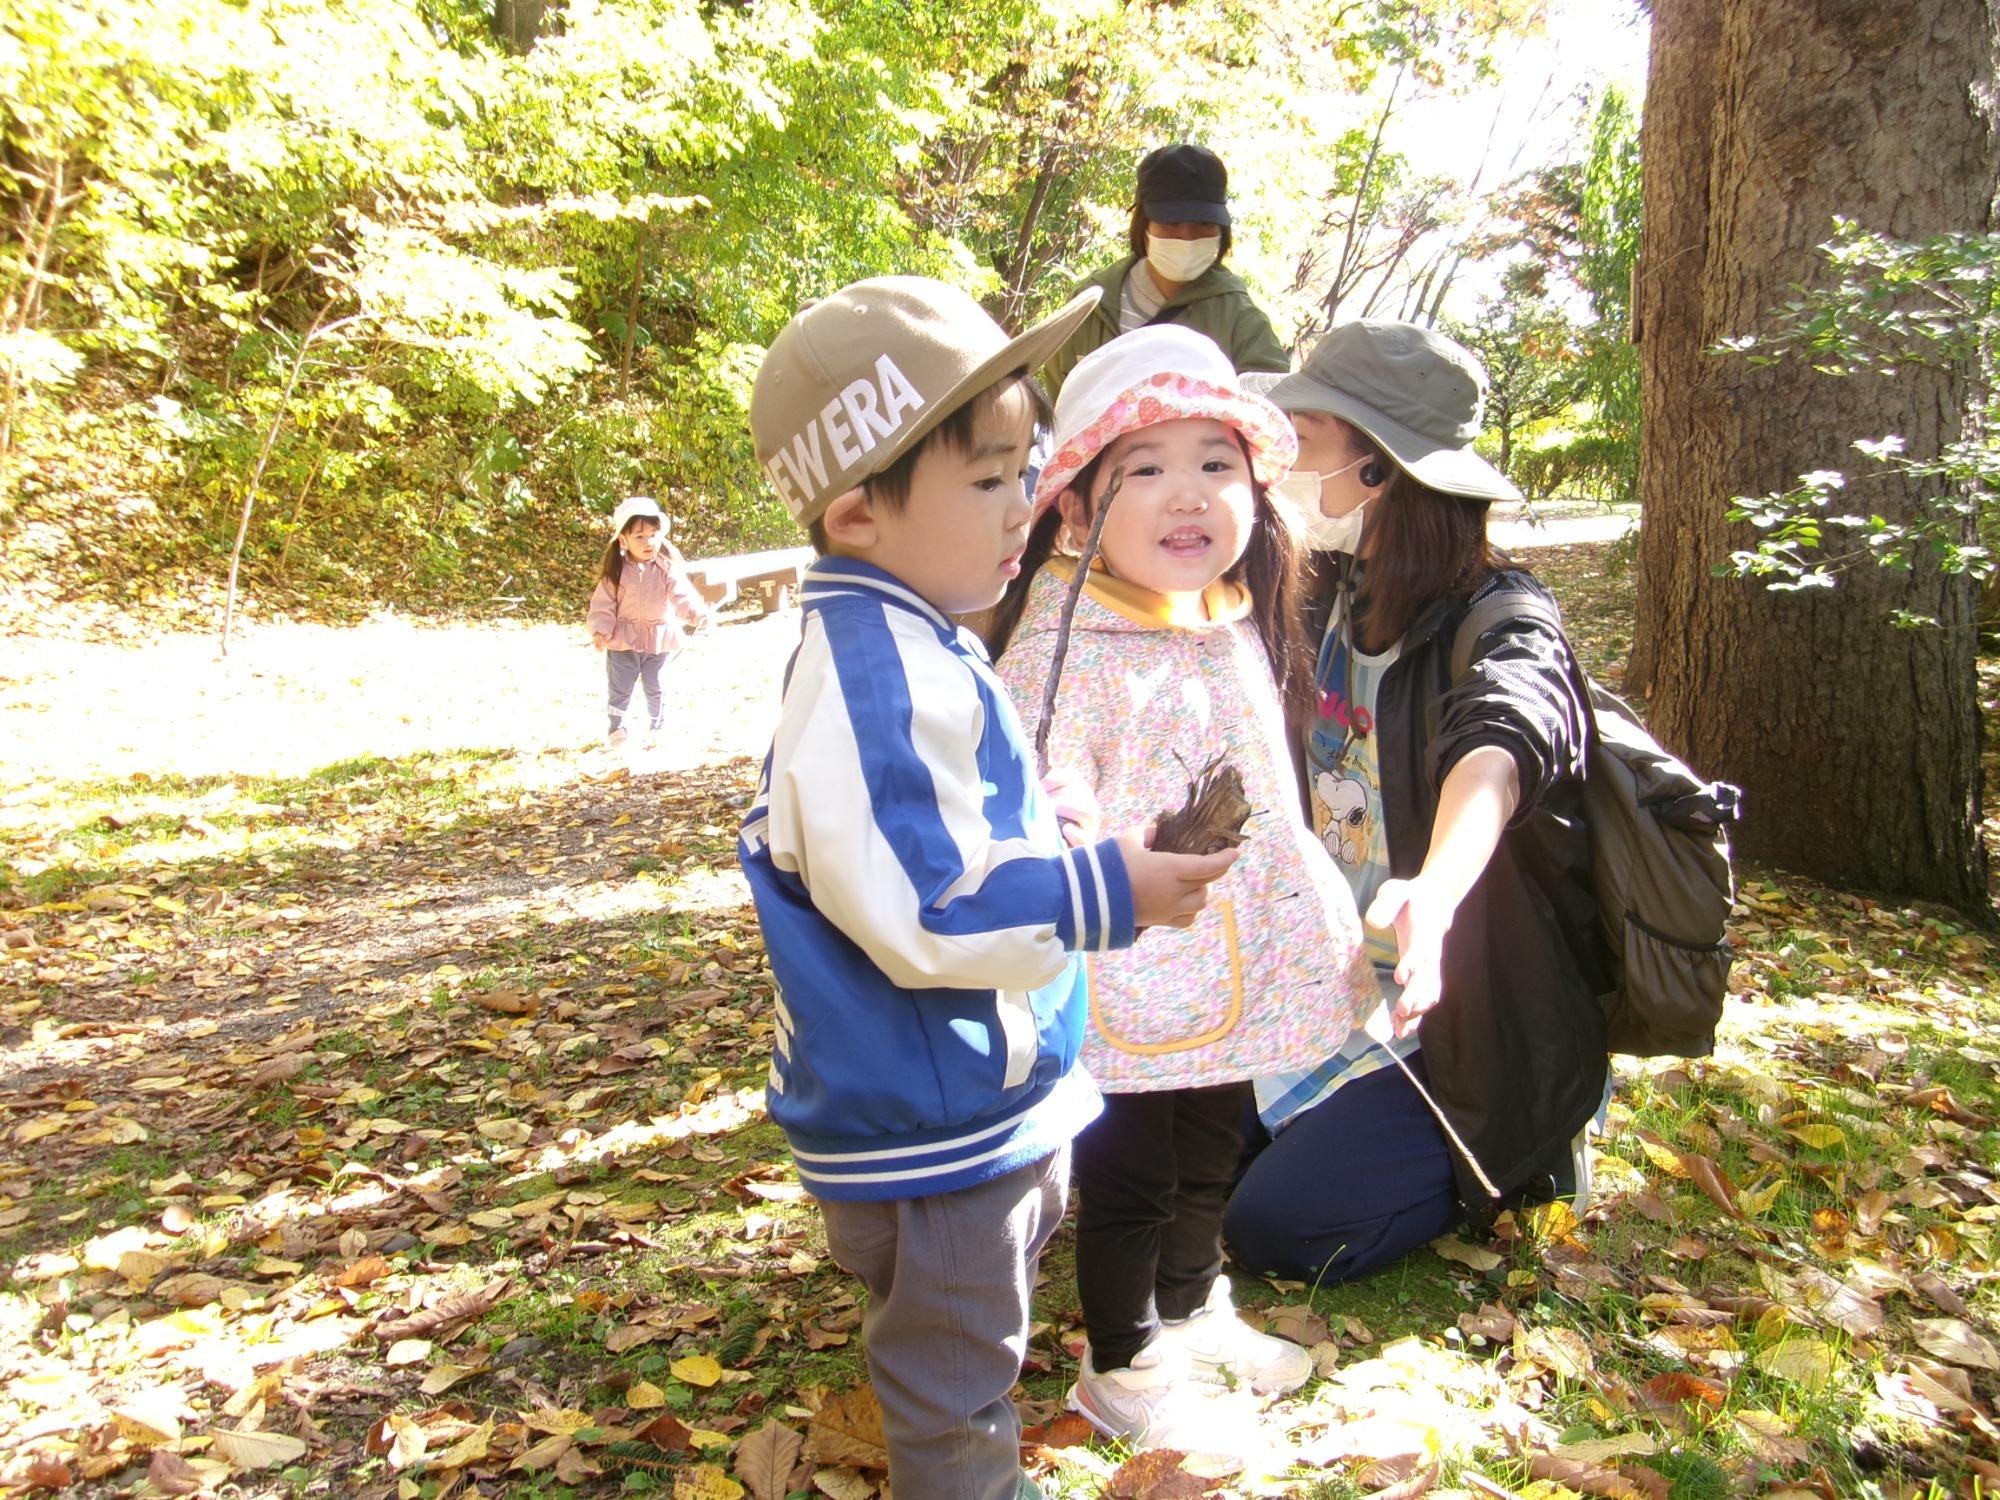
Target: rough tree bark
519 24
1857 742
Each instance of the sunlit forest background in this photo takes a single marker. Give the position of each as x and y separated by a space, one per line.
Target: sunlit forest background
431 284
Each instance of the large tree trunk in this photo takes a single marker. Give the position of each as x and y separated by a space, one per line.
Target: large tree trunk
519 24
1856 741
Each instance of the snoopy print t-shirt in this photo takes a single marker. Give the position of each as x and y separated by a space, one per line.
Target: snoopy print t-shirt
1347 776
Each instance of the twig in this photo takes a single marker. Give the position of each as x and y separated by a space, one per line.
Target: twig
320 328
1075 593
1463 1149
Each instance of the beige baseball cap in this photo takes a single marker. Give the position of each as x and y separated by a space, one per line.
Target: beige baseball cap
856 380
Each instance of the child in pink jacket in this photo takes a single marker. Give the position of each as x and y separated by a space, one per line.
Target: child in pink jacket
1186 644
636 611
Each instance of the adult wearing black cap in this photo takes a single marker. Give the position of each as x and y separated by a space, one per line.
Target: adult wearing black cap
1180 236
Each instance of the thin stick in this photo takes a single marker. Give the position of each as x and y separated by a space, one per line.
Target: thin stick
1075 593
1463 1149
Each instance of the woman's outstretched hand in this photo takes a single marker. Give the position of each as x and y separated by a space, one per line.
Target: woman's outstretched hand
1479 795
1420 916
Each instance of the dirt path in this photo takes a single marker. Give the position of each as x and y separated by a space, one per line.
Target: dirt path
293 698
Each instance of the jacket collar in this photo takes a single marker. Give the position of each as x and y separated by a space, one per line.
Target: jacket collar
1214 282
1221 603
831 579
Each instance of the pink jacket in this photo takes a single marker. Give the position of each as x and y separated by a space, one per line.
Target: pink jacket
1272 976
640 613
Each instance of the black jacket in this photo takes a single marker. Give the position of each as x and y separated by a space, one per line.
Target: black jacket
1515 1048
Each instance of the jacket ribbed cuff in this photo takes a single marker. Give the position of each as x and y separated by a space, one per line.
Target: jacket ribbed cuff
1097 917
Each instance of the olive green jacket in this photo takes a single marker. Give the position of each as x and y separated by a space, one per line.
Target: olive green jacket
1216 303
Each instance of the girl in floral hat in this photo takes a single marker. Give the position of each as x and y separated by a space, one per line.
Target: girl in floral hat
1186 646
642 598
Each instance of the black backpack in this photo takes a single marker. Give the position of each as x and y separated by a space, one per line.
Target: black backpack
1659 855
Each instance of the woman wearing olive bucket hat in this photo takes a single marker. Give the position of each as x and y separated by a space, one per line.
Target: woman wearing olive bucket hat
1453 806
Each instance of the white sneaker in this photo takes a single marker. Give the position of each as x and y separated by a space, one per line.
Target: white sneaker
1579 1155
1153 1404
1222 1349
615 738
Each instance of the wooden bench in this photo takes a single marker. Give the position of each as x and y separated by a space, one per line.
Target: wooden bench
774 577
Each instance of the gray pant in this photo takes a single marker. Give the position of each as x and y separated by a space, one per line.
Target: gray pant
949 1282
624 669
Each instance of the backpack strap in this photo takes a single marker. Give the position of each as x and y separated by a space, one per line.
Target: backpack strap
1486 616
1489 614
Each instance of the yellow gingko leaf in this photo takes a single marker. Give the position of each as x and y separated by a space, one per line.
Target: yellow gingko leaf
469 1449
1758 1200
1807 1361
35 1130
697 1369
1819 1137
1553 1221
168 903
621 820
1665 1158
706 1482
645 1396
1772 1323
705 1437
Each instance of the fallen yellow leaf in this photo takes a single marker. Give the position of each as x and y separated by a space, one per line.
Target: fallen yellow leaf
696 1369
706 1482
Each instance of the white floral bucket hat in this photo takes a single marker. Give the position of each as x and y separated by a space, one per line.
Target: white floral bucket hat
636 506
1164 373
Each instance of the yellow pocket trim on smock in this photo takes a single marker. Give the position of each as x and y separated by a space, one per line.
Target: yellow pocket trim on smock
1227 911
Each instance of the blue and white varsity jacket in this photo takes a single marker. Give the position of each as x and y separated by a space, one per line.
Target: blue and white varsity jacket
921 913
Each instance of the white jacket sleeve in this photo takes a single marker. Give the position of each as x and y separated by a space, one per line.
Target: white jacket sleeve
877 802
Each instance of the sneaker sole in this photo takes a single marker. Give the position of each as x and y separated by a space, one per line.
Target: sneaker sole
1203 1373
1077 1403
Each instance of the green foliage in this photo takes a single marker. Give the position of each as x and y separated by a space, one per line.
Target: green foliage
1534 365
423 300
1888 306
1608 251
1579 224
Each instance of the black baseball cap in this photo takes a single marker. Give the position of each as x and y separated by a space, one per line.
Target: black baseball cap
1184 185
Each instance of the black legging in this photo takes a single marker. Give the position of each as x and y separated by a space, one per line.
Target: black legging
1152 1176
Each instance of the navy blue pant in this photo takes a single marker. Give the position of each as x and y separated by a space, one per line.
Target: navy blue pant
1353 1183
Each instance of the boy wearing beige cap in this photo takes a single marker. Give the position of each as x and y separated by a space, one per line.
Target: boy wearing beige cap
921 911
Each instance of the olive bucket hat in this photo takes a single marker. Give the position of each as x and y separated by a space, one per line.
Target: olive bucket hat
1416 393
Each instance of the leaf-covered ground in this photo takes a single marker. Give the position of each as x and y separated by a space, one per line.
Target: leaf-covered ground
390 1125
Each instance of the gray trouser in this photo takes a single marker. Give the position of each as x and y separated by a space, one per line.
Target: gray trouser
949 1280
623 669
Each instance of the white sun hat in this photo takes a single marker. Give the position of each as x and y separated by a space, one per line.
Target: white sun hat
1161 373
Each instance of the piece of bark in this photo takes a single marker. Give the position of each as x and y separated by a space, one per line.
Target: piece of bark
1213 816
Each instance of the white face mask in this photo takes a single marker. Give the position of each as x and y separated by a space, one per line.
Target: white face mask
1300 490
1182 260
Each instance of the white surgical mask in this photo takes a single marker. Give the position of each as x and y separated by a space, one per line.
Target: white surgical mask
1300 490
1182 260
